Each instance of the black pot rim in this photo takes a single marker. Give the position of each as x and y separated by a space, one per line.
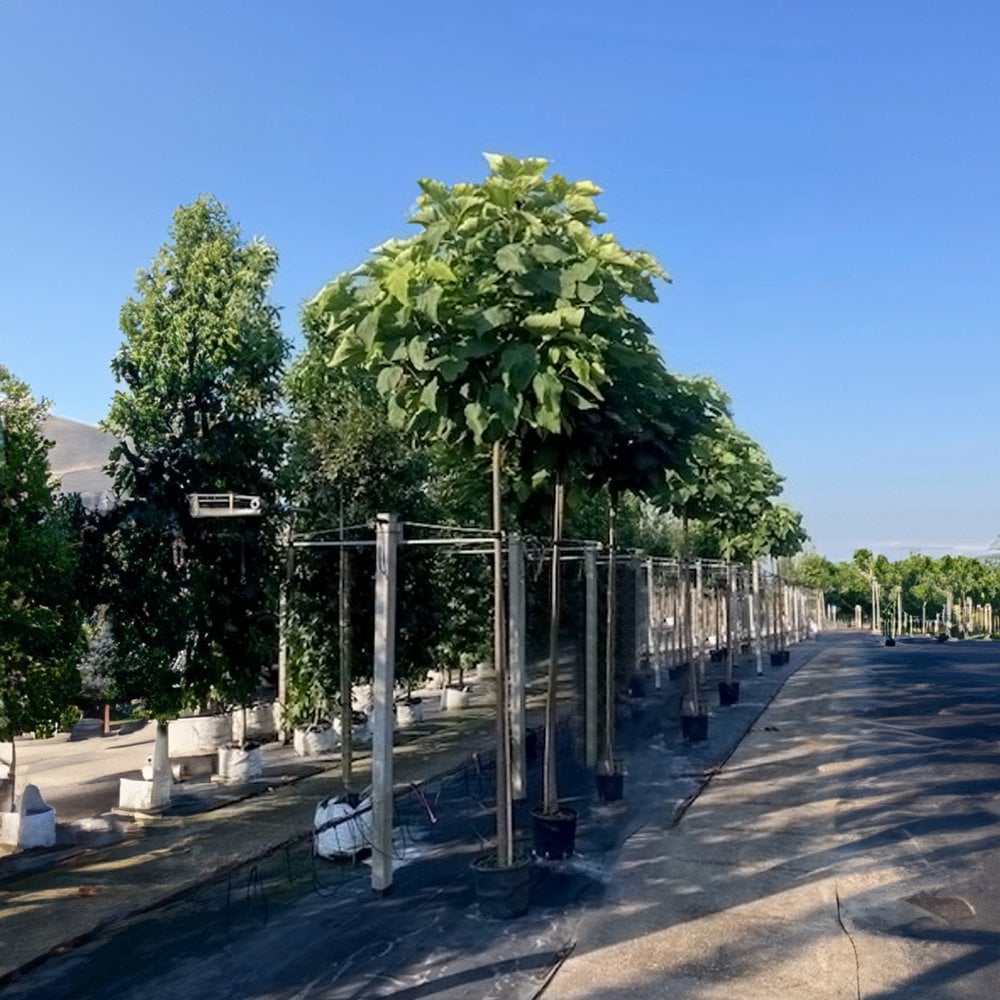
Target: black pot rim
481 863
565 812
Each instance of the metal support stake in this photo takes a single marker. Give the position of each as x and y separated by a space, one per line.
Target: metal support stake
517 656
286 584
387 533
755 609
590 657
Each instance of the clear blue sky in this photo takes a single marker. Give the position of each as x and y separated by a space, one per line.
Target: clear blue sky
821 179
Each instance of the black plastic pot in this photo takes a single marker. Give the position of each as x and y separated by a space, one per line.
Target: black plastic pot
503 893
716 655
694 728
729 692
942 637
786 655
777 659
610 787
554 835
890 642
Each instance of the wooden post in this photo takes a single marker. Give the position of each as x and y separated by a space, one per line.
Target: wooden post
387 533
516 647
590 656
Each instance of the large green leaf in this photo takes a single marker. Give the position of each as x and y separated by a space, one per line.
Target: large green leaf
510 259
427 302
477 419
388 379
520 362
367 328
548 253
417 352
397 283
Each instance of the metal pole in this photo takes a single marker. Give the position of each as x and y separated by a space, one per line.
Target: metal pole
516 634
505 817
731 637
344 657
283 637
383 674
590 657
698 618
755 630
651 635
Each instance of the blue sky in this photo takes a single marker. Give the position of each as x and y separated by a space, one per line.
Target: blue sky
820 179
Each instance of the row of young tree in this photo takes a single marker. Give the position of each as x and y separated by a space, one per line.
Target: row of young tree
924 587
487 371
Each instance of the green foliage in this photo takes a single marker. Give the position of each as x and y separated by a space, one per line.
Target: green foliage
193 617
925 582
725 491
346 461
500 319
40 617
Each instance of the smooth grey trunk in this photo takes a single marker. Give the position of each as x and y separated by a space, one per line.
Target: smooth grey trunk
550 786
590 656
518 658
383 682
505 829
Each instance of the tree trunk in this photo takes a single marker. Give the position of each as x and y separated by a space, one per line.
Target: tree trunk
550 795
505 829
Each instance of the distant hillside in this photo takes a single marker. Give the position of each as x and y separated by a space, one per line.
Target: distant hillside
78 457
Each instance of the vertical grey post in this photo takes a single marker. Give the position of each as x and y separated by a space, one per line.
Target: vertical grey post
755 610
731 633
282 663
516 654
590 656
698 620
651 629
640 608
286 584
383 670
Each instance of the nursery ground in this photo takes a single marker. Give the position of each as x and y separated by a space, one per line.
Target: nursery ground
276 922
